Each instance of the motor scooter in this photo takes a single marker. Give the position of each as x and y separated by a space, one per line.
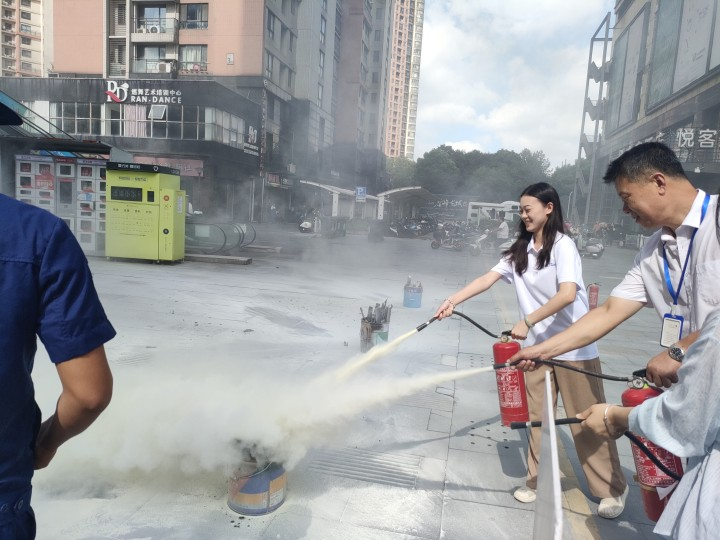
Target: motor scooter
445 240
592 247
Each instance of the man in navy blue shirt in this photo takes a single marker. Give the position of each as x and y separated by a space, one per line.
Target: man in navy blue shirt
46 291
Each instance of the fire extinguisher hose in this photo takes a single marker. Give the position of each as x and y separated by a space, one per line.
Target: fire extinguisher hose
488 332
634 378
645 450
637 442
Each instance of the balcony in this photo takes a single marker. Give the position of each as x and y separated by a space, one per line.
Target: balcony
142 65
193 25
147 30
193 68
35 72
8 3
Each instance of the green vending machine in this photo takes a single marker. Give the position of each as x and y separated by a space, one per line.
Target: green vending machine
145 212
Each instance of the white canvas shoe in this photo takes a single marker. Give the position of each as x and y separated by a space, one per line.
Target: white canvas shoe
612 507
525 494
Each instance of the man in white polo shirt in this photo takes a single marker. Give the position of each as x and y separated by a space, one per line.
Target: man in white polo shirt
677 271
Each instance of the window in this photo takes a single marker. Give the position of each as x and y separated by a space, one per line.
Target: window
26 3
152 18
147 58
25 41
320 95
25 28
26 15
26 53
270 24
324 5
290 78
321 65
378 35
193 16
323 29
26 66
157 112
268 64
193 58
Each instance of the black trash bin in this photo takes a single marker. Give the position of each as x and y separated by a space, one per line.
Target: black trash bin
376 231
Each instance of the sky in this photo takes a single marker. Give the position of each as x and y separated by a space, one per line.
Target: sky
506 74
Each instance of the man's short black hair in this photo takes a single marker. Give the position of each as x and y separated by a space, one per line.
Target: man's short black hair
639 160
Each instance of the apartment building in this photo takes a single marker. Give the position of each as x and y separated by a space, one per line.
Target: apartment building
653 75
360 120
21 27
247 97
404 78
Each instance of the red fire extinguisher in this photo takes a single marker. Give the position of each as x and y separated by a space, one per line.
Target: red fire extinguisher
510 384
649 476
593 293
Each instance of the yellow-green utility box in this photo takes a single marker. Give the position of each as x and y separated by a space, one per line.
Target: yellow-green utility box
145 212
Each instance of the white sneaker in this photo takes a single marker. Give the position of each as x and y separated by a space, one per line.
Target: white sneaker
612 507
525 495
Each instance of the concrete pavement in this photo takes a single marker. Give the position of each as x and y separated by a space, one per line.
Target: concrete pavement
210 352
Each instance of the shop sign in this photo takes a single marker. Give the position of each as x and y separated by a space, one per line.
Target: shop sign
250 144
187 167
449 203
689 137
125 93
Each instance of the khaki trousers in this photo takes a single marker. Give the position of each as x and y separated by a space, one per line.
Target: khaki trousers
598 456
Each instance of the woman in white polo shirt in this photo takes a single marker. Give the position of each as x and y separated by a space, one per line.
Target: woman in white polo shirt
544 265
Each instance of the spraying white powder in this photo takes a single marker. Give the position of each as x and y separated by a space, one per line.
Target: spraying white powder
194 412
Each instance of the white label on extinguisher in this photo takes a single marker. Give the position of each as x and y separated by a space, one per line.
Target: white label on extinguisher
508 387
649 473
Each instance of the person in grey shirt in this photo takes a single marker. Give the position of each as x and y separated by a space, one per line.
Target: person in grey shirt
685 420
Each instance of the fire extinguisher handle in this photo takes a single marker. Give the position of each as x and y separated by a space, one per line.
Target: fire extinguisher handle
640 373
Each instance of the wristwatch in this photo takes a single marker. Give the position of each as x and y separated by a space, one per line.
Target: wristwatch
676 352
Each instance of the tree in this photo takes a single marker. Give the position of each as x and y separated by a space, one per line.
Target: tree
436 170
401 171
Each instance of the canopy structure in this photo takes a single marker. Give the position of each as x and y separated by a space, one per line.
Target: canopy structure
411 198
18 123
343 200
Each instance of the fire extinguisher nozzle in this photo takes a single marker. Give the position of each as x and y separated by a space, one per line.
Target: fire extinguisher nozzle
425 324
538 423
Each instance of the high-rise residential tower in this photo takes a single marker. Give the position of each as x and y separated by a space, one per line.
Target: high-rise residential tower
404 78
22 25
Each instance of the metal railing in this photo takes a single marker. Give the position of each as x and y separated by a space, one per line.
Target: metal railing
212 238
157 25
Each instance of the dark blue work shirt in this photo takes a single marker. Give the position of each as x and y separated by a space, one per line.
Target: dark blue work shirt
46 290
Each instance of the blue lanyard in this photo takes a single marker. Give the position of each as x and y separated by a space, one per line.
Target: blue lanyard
676 295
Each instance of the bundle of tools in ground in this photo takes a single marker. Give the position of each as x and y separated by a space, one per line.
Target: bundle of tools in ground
375 325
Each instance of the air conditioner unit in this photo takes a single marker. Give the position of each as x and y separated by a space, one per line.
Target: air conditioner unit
153 29
164 67
141 30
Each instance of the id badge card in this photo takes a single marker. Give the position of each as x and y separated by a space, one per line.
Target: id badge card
671 329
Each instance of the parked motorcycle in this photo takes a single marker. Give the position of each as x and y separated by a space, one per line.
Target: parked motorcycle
592 247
